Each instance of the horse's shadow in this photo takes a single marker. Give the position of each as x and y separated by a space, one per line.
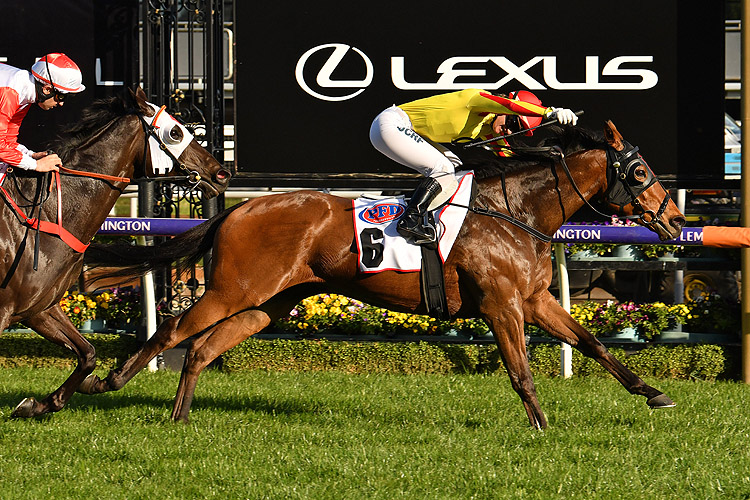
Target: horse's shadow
247 405
115 401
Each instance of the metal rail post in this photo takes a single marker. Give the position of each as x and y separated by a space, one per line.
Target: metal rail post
566 351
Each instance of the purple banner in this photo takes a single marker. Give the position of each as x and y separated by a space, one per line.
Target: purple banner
573 233
568 233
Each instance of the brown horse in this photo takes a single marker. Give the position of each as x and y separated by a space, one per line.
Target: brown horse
271 252
100 153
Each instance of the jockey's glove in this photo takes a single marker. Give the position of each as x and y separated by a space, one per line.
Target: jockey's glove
563 115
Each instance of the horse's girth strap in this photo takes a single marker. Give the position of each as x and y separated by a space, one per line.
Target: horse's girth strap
50 227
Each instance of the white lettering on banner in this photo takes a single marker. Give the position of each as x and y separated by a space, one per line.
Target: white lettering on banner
475 68
126 225
691 236
579 234
649 79
449 73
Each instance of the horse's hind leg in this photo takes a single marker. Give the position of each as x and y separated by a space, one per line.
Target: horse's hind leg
545 312
223 337
508 331
54 325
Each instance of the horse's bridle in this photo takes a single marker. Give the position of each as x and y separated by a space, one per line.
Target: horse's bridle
193 177
628 176
635 176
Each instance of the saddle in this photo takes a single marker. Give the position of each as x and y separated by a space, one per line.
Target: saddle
381 248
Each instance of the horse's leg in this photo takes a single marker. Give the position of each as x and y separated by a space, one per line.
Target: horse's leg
170 333
508 330
55 326
220 339
544 311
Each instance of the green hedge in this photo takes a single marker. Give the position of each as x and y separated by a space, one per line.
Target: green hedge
685 361
29 349
699 361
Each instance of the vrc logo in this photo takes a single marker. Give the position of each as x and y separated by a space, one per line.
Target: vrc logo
324 80
381 213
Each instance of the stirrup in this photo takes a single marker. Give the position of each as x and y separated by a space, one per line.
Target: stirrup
420 234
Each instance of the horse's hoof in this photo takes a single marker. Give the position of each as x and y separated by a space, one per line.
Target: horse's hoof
25 409
660 401
88 386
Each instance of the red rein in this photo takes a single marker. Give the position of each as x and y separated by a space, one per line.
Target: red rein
57 228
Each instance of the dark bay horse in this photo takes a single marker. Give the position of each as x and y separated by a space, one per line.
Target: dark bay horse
271 252
100 153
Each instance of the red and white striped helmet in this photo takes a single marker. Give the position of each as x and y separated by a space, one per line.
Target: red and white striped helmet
60 71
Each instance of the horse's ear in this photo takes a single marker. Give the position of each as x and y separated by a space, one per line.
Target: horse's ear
140 98
614 138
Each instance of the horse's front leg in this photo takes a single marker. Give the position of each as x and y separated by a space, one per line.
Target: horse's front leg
544 311
55 326
507 327
168 335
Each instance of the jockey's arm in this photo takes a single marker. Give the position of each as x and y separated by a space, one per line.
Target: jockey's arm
11 152
486 102
505 106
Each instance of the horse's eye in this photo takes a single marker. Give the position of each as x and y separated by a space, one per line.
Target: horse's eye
175 135
640 174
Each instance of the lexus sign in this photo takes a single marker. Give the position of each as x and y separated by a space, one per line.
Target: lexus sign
309 82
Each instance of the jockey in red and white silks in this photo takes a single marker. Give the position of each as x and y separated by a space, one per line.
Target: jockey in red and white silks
50 78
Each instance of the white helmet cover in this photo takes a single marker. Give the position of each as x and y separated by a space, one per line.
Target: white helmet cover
65 75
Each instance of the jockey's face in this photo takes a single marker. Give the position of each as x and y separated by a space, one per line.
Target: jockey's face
46 97
505 124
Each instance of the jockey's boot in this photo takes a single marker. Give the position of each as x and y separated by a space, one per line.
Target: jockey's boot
411 225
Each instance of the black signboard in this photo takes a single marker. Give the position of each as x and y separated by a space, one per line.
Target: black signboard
99 35
310 79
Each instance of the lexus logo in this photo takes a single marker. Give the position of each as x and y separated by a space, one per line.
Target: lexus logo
616 73
324 80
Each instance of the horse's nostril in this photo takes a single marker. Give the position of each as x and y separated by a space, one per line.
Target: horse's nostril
678 222
222 175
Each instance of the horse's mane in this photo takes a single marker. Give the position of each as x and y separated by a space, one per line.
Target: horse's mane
94 118
570 139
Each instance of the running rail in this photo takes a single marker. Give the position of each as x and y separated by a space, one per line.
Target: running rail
712 236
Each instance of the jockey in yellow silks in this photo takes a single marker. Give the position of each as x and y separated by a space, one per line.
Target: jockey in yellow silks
410 134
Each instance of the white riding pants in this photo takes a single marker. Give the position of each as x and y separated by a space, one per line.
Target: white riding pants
392 134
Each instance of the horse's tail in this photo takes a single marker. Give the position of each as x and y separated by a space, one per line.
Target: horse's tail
184 250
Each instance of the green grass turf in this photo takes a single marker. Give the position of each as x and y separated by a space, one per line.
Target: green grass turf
331 435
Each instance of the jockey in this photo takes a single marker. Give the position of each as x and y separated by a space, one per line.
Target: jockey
51 78
411 134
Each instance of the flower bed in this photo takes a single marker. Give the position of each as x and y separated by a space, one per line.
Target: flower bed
649 320
330 312
120 308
